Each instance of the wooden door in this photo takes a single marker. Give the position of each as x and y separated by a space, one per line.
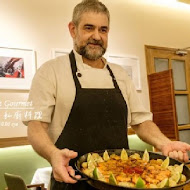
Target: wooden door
162 102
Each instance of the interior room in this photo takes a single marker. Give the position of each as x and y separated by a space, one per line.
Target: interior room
38 31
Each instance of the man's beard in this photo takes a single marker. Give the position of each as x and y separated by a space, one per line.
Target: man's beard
90 52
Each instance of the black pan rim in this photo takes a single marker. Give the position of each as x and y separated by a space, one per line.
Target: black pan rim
130 151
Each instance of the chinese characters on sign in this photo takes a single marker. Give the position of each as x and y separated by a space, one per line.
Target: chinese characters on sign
19 115
13 112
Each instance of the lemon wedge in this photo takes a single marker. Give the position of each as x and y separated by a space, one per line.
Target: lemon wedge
172 183
91 164
153 186
124 155
140 183
98 175
165 163
112 179
146 156
179 168
163 183
183 178
175 177
126 184
106 156
89 157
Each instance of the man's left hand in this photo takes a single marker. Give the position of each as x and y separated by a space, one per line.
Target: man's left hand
177 150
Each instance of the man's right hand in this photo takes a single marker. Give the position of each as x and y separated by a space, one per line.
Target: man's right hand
59 159
60 165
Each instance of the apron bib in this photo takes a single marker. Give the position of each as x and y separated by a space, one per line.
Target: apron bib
97 121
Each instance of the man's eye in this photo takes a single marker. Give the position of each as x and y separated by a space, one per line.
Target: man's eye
104 30
88 28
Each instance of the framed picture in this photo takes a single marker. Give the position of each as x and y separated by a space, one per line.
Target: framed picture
59 52
130 64
17 68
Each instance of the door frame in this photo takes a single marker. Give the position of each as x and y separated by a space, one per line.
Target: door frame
169 53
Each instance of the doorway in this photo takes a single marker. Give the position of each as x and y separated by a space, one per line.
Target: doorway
160 59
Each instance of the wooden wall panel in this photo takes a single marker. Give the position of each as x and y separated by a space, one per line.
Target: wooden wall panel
17 141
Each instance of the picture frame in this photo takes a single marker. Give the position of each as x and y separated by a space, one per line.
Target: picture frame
17 68
59 52
130 64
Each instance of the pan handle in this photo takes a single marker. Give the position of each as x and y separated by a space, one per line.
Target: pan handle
187 162
81 179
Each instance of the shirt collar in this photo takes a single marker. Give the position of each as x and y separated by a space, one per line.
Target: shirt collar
81 65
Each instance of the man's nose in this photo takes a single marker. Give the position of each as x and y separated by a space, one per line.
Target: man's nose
96 35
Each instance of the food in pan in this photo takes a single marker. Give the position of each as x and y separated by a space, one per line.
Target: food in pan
133 171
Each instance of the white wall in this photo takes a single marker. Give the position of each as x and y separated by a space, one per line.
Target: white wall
42 25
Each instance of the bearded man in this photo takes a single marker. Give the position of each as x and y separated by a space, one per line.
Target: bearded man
87 103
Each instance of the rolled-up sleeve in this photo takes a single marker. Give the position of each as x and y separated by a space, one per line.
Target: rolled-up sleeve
138 112
42 95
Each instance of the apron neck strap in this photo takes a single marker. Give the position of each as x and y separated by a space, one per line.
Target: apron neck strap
113 78
74 71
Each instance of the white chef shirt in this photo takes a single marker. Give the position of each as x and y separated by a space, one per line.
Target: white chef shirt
53 91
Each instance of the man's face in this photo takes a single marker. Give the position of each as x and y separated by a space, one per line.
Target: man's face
91 35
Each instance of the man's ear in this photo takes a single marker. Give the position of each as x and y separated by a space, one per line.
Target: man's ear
72 29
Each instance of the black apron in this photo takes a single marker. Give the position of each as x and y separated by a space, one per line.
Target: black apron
97 121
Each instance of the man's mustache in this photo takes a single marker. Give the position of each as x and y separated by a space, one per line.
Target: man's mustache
95 42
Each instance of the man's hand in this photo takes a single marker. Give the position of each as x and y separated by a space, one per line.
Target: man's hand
60 164
44 146
177 150
149 132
